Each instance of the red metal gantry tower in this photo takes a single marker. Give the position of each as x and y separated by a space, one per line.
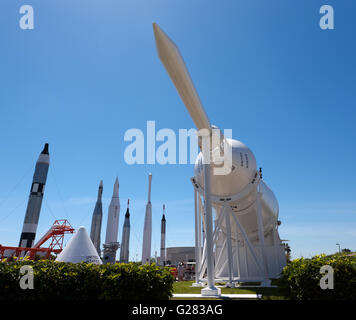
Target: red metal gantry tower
55 233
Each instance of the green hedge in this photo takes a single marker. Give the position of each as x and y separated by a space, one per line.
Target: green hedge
81 281
300 279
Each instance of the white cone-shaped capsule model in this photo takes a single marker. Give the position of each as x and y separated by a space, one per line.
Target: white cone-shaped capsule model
96 220
147 229
111 245
125 243
79 249
163 238
35 201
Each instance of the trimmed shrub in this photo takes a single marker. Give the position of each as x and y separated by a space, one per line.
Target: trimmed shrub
82 281
300 279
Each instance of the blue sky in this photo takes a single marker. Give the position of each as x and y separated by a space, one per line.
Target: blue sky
89 71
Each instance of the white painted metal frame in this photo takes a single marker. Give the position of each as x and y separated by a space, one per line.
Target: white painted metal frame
232 254
210 290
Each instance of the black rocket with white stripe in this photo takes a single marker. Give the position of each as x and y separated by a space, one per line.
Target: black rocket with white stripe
125 243
35 201
163 237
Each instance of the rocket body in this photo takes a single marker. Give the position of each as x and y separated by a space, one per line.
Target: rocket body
163 239
147 235
111 244
96 220
35 200
125 243
147 229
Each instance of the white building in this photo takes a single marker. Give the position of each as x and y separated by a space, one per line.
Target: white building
180 254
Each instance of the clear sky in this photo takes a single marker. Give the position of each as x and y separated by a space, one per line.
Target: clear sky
89 71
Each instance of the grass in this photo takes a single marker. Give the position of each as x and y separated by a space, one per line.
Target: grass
267 293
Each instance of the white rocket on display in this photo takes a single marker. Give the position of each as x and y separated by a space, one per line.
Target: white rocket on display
125 242
246 239
35 201
96 220
147 229
163 238
111 245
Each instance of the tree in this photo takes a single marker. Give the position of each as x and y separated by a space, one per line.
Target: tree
346 250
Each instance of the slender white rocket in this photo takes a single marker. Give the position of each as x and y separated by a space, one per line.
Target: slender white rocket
111 245
35 201
147 229
96 220
163 238
125 243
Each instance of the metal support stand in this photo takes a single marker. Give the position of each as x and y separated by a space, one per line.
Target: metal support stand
197 282
266 282
211 290
226 212
245 249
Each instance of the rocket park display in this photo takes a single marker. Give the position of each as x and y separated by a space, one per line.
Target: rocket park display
125 242
35 200
78 248
147 229
111 245
97 219
163 238
243 247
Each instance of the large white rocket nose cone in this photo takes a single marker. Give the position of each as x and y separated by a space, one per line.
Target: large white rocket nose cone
172 60
165 46
157 31
79 249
